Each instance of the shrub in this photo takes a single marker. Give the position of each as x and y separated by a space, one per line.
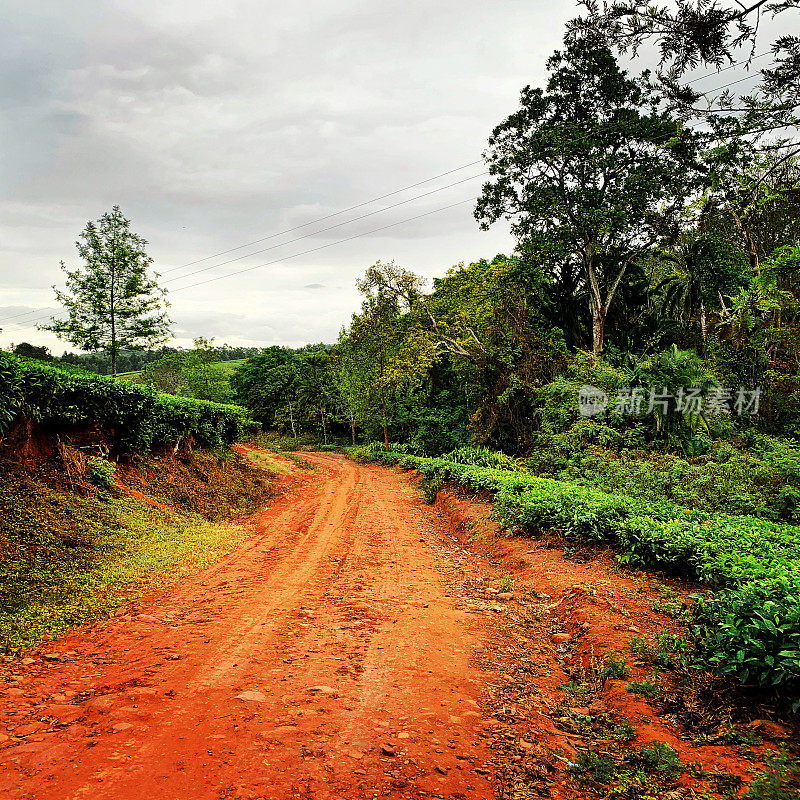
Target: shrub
749 627
139 419
101 472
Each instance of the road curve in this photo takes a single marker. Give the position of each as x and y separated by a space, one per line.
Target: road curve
336 623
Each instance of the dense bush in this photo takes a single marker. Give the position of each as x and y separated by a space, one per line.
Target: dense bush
749 627
136 418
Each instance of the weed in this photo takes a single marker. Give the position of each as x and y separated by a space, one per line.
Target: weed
665 650
661 758
595 768
624 732
506 584
643 688
614 666
674 610
101 472
734 735
775 781
575 688
430 488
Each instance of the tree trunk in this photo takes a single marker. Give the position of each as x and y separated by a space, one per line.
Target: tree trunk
324 430
598 329
353 430
113 361
291 420
385 439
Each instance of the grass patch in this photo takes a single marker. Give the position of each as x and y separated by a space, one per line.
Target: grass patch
67 557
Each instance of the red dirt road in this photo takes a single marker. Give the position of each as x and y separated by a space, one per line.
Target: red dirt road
335 622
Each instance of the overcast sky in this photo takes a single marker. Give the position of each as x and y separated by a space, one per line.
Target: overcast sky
217 123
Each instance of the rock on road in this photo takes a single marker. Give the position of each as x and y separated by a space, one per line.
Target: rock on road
326 657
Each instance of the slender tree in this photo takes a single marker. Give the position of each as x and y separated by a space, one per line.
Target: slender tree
111 302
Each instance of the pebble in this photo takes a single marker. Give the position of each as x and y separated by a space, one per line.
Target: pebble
388 750
322 689
560 638
122 726
252 697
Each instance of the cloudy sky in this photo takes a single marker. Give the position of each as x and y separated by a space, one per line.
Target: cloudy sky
218 123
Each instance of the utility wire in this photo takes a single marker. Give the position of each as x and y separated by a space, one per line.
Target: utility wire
368 202
328 216
297 255
308 235
331 227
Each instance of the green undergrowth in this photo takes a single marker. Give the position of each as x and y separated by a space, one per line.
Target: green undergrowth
748 627
70 554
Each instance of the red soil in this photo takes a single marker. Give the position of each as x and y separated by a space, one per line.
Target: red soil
352 648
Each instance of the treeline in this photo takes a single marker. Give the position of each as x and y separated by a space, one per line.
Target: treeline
99 362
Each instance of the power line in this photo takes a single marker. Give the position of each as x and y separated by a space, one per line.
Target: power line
324 246
308 235
297 255
328 216
332 227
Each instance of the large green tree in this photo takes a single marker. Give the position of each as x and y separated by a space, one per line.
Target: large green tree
590 172
112 302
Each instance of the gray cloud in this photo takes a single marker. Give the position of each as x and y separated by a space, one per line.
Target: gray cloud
215 124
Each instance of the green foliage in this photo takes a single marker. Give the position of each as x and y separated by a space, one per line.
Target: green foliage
101 472
778 780
665 650
506 584
662 758
138 418
748 628
430 488
481 457
643 688
614 666
588 173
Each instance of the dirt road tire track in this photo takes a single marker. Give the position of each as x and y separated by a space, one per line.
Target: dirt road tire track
336 618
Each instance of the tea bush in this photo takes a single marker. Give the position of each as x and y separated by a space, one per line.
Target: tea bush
137 418
749 627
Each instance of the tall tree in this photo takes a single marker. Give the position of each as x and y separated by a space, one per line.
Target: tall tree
589 171
111 301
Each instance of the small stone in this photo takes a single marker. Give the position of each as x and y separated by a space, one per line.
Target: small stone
27 730
388 750
27 662
252 697
15 692
560 638
505 595
322 689
403 735
173 657
51 657
122 726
